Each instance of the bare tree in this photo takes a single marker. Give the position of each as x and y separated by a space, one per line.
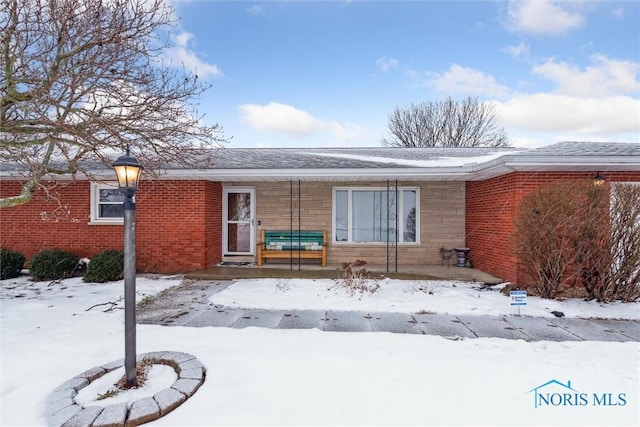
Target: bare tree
82 80
448 123
545 236
569 233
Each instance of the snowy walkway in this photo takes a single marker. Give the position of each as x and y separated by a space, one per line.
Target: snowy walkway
189 306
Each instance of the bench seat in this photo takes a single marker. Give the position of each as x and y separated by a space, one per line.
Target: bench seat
292 244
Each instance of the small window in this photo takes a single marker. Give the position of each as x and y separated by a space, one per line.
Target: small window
106 204
375 215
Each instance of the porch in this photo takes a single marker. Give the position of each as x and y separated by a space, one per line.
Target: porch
331 271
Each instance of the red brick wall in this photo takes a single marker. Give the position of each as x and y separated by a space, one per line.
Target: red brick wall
178 224
490 210
213 224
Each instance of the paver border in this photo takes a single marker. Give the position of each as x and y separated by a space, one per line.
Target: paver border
62 410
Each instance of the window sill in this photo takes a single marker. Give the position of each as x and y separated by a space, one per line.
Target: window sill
376 244
103 222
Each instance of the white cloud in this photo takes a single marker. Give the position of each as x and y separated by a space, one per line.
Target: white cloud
256 9
279 118
543 112
521 50
349 132
182 39
606 77
544 16
528 141
285 119
181 54
595 102
468 81
618 12
385 63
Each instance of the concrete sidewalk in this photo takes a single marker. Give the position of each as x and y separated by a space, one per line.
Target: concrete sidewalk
188 306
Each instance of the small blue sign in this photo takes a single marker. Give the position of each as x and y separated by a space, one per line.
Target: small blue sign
518 297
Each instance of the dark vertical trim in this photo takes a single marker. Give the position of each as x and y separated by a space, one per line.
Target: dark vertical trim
299 224
387 226
291 222
397 223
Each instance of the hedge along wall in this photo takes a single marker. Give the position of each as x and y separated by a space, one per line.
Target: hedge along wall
178 224
491 207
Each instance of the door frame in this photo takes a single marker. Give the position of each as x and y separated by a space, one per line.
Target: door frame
225 219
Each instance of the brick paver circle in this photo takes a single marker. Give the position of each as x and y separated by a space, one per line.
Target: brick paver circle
62 409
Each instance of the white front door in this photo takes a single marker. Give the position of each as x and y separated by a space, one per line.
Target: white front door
238 212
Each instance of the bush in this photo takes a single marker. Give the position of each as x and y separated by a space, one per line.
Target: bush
578 233
562 236
355 278
11 263
52 264
107 266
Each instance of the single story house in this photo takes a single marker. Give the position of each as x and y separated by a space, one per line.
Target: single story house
381 205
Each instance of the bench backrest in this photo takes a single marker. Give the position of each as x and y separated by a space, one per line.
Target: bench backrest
293 240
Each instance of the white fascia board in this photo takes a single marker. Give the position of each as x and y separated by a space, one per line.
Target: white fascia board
626 162
222 175
102 175
508 164
414 174
468 172
492 169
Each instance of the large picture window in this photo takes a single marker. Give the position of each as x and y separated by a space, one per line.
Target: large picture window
375 215
106 203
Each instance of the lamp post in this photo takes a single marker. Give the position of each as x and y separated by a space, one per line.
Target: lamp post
128 171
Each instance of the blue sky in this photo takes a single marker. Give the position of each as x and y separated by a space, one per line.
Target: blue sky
328 74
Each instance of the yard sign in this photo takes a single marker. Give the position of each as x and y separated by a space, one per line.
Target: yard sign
518 298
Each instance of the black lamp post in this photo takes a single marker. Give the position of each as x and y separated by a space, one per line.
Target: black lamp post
128 171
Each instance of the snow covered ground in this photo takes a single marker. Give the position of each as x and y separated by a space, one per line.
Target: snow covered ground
406 296
294 377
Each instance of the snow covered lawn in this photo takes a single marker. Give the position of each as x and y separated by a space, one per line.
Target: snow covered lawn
293 377
405 296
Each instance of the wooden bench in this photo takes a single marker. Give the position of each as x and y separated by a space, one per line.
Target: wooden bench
292 244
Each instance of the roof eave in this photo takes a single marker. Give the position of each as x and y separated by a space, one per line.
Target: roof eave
520 163
413 174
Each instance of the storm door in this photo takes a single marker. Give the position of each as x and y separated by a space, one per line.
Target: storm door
238 213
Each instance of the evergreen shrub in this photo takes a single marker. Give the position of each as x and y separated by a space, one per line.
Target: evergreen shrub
52 264
107 266
11 263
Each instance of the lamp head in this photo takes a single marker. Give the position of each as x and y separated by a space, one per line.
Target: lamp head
598 180
128 171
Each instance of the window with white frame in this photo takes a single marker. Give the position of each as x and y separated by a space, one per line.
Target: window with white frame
106 203
376 215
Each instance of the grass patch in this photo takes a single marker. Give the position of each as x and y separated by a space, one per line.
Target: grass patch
142 371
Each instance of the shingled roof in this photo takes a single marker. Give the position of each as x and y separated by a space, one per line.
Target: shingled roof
419 164
415 164
349 158
586 149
